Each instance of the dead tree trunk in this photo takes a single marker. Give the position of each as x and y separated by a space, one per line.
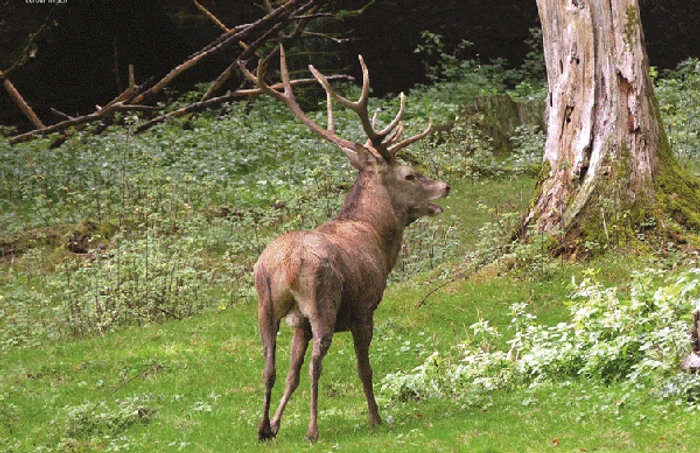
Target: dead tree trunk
609 176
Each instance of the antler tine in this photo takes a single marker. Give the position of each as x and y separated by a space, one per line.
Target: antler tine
364 95
259 79
359 107
396 134
395 148
287 97
396 120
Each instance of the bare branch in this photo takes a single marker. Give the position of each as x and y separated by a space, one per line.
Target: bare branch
327 36
132 80
21 103
252 48
132 98
135 108
61 114
203 105
312 16
278 16
124 97
211 17
65 124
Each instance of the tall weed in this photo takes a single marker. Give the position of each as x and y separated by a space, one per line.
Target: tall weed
637 337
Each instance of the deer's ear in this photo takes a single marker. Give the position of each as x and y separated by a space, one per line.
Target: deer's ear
361 157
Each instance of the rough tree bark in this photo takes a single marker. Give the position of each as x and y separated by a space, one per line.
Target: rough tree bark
609 175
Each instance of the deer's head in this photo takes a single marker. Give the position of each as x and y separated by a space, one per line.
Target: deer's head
395 186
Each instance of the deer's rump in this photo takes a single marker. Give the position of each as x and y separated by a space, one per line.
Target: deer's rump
305 266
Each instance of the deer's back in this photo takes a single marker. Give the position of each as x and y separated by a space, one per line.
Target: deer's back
340 260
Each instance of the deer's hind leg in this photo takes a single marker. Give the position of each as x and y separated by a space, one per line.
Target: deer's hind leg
322 342
269 338
268 326
319 302
300 342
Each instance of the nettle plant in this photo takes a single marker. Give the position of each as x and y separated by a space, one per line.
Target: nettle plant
171 213
528 146
678 93
637 339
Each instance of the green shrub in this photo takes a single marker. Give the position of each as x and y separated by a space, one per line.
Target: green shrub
638 339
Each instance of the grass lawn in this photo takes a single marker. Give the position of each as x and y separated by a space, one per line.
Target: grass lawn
196 385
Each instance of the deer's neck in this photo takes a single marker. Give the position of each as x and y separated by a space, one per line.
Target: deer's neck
369 203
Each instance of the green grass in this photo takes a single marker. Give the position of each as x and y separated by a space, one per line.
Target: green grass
199 381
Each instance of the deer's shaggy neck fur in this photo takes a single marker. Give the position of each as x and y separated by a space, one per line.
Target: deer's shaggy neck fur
370 204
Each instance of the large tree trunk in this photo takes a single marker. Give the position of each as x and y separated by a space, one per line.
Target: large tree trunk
608 172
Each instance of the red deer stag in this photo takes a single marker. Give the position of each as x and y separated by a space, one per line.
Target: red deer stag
331 279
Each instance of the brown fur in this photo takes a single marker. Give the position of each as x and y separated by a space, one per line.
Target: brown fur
332 278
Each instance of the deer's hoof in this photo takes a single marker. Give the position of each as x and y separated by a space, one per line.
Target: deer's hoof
374 418
312 436
263 436
265 432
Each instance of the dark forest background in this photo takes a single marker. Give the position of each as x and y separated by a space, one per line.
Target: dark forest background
75 55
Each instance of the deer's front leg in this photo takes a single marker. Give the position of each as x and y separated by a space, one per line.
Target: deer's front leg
362 336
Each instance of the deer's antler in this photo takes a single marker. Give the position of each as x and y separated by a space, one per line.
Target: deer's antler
382 143
287 97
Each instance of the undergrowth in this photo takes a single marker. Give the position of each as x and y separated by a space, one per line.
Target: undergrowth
119 229
638 337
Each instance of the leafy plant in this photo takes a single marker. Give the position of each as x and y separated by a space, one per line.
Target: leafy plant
678 93
89 420
528 146
637 339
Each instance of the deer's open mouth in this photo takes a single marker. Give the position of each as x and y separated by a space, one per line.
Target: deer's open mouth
434 209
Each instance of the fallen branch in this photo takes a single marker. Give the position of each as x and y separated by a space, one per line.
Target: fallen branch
327 36
211 102
211 17
63 115
132 99
107 110
21 103
278 16
124 96
421 302
252 48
